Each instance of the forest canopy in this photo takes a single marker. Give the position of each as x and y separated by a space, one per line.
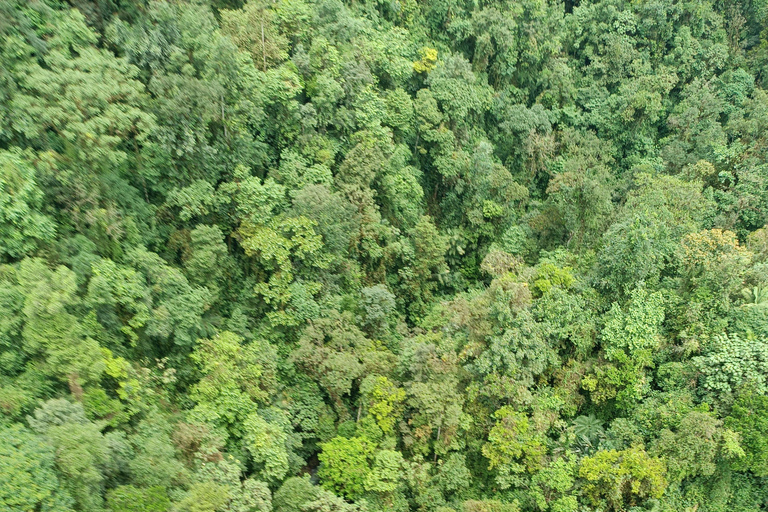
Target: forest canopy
383 255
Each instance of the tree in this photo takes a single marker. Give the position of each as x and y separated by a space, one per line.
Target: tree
696 448
345 465
384 401
280 247
253 30
730 362
236 377
336 354
28 480
622 478
266 442
22 225
81 451
748 418
51 333
581 191
128 498
154 464
513 446
629 340
293 495
443 255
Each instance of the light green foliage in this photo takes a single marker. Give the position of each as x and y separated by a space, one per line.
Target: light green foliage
426 262
490 506
195 200
98 405
113 288
567 318
254 496
379 307
629 339
427 61
127 498
622 478
403 196
553 487
694 449
516 351
453 475
266 442
253 30
279 248
435 414
636 250
207 264
204 497
89 98
458 91
293 495
549 275
334 352
328 502
513 446
345 466
154 463
714 265
177 306
634 333
643 241
253 201
384 401
220 480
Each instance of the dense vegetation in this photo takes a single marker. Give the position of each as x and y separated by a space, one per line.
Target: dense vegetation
383 255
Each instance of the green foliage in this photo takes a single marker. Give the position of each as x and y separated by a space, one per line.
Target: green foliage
22 225
293 495
128 498
81 451
386 472
436 255
622 478
204 497
28 480
384 401
345 466
553 487
266 442
513 446
748 418
694 449
334 352
732 362
236 376
154 464
51 334
629 341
